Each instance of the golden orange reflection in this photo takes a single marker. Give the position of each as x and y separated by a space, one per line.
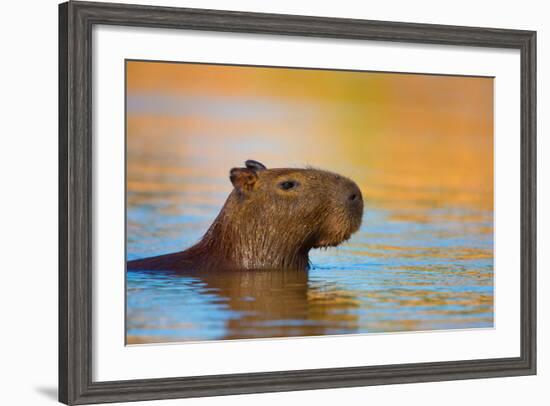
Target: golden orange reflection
407 139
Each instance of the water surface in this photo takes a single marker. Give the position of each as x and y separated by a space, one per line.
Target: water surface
394 275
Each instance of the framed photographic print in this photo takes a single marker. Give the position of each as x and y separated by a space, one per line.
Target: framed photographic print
258 202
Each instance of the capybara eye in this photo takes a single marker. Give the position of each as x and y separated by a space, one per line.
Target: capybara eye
288 184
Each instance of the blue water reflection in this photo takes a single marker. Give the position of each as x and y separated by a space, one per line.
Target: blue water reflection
393 275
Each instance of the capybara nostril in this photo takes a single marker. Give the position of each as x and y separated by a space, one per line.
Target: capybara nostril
352 194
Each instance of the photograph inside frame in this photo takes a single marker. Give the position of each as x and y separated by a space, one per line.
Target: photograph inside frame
269 202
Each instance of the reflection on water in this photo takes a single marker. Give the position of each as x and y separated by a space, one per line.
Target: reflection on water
392 276
423 258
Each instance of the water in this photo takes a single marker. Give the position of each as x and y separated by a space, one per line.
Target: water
391 276
423 257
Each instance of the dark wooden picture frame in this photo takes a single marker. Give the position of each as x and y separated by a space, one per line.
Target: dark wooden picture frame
76 20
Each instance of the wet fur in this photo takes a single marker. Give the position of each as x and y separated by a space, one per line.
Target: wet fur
262 226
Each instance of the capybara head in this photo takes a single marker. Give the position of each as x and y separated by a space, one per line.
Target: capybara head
273 217
271 220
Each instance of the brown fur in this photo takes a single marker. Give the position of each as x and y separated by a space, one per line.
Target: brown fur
262 225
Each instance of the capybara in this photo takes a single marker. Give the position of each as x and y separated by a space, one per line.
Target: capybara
271 220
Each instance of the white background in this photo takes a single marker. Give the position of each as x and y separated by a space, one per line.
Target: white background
28 167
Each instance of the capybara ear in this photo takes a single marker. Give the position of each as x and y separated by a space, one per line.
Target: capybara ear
254 165
243 179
